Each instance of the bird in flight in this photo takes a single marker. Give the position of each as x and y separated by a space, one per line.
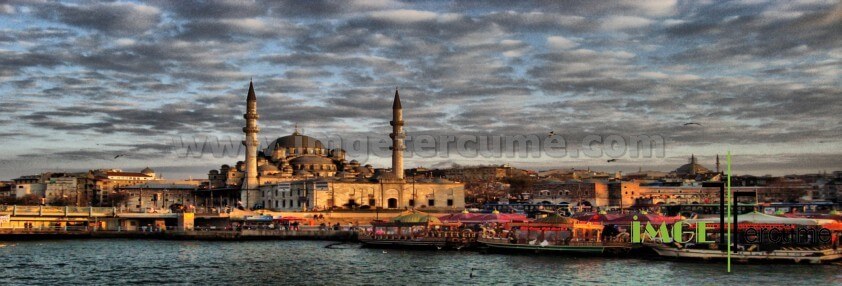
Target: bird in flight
118 156
692 123
612 160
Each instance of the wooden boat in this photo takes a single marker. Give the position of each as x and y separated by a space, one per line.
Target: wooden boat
554 234
752 242
787 254
416 230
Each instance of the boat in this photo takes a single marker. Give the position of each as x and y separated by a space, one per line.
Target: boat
753 242
418 230
786 254
553 234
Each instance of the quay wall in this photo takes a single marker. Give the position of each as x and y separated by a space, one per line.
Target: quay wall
327 235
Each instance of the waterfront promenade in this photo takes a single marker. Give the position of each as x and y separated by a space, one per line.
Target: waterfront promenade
54 222
10 234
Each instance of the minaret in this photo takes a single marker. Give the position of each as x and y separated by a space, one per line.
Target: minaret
248 191
717 163
397 137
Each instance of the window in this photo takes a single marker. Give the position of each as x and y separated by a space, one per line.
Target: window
411 202
449 202
431 202
372 202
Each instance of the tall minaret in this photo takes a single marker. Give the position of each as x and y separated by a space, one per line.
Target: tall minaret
248 191
397 137
717 163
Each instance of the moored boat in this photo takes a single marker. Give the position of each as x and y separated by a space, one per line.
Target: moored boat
786 254
758 237
553 234
416 230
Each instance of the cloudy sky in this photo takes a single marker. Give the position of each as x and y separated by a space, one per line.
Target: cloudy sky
82 82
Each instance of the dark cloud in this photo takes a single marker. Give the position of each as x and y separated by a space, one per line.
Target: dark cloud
756 73
118 18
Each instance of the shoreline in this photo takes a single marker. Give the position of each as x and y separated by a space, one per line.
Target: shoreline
245 235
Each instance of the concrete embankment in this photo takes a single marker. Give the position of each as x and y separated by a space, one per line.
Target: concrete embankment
185 235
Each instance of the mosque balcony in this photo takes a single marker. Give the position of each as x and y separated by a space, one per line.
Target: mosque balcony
396 123
251 116
398 136
398 148
251 129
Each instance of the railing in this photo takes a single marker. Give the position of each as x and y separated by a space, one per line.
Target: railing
58 211
70 211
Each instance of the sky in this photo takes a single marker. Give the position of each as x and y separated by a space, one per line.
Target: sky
83 82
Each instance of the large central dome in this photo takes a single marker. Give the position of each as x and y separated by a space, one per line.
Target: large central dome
296 140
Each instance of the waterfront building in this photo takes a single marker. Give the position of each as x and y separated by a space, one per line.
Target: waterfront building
157 197
6 189
584 195
297 172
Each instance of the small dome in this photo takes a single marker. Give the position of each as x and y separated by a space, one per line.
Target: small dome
214 172
692 168
362 170
267 168
147 171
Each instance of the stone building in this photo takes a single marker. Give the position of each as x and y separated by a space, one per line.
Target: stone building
157 197
297 172
586 194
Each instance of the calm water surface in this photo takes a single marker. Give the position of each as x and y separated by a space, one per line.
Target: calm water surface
73 262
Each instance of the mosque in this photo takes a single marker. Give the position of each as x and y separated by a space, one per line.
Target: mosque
297 172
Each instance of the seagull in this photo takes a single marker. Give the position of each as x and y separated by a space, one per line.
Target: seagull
384 252
438 247
612 160
118 156
692 123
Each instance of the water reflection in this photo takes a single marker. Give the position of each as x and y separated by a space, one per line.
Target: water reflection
303 262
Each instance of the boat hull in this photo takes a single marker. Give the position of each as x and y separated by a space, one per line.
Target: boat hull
592 250
420 243
784 256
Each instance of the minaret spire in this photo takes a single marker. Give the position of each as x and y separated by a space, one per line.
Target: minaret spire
717 163
397 136
248 190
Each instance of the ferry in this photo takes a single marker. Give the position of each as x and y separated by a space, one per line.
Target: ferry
417 230
554 234
759 238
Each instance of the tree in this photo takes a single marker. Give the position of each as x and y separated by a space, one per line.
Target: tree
479 192
61 201
29 200
116 199
520 184
8 200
